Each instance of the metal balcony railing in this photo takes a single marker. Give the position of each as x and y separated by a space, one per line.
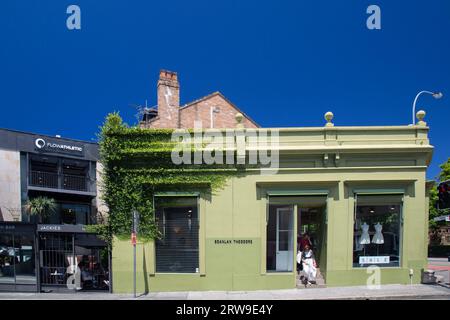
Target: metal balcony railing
43 179
72 182
55 181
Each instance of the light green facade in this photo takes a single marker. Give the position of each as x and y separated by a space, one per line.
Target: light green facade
335 161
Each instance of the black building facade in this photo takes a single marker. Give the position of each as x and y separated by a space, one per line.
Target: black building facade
52 251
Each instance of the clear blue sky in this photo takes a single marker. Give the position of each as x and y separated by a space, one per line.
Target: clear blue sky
285 63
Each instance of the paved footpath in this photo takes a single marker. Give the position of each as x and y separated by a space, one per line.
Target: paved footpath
418 291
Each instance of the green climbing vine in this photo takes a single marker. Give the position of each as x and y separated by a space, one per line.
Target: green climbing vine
136 163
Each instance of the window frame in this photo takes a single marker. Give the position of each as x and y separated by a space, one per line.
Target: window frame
379 192
179 195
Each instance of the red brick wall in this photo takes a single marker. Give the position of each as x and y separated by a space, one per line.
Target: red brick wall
201 110
168 101
170 115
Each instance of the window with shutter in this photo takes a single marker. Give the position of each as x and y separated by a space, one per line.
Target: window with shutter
177 249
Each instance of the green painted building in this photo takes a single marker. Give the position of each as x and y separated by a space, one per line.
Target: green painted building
331 182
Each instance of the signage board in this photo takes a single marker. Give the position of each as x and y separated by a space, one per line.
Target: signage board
46 144
61 228
374 259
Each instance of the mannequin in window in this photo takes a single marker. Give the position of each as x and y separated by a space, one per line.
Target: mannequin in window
365 237
378 237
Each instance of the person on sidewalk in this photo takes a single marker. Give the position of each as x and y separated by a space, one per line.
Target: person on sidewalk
309 265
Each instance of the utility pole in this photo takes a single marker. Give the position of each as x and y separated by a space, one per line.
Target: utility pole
133 242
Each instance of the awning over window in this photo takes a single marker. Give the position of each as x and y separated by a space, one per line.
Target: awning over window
375 199
177 194
300 200
300 192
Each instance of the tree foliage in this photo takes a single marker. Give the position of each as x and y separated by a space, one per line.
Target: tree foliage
40 206
444 175
136 164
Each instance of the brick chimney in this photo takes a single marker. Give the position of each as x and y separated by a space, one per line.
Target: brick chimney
168 99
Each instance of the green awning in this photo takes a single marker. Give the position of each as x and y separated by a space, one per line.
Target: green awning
378 191
177 194
298 192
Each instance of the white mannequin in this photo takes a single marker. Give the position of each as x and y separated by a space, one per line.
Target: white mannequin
365 238
378 237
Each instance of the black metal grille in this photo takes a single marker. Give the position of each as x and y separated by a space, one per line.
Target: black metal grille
61 255
72 182
44 179
177 250
53 180
54 250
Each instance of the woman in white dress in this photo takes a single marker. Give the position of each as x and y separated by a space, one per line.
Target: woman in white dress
309 265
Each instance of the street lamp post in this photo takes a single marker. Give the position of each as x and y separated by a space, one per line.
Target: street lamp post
436 95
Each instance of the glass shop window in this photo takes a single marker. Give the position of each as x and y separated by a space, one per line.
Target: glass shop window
377 230
24 261
280 238
17 261
7 258
177 249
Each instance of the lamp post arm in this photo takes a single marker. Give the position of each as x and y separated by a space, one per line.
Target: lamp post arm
414 105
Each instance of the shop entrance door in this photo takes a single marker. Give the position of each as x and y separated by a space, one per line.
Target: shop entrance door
312 231
284 239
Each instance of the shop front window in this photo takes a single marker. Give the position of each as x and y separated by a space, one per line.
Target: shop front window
25 260
7 258
17 261
177 249
377 230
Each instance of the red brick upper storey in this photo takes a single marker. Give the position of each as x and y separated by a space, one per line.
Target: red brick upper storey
212 111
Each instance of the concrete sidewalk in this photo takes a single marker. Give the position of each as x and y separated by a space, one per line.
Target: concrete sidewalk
352 293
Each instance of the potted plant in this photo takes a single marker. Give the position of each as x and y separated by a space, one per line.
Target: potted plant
41 207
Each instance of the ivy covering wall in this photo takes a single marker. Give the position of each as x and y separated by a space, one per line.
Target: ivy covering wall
137 164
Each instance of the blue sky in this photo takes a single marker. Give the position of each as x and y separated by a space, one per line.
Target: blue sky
285 63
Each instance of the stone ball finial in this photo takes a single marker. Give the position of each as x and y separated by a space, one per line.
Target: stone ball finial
329 116
239 117
420 115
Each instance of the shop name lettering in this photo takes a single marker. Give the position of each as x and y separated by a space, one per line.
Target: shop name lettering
226 309
64 147
234 241
43 145
50 228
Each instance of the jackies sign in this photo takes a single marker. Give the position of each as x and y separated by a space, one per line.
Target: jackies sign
58 146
